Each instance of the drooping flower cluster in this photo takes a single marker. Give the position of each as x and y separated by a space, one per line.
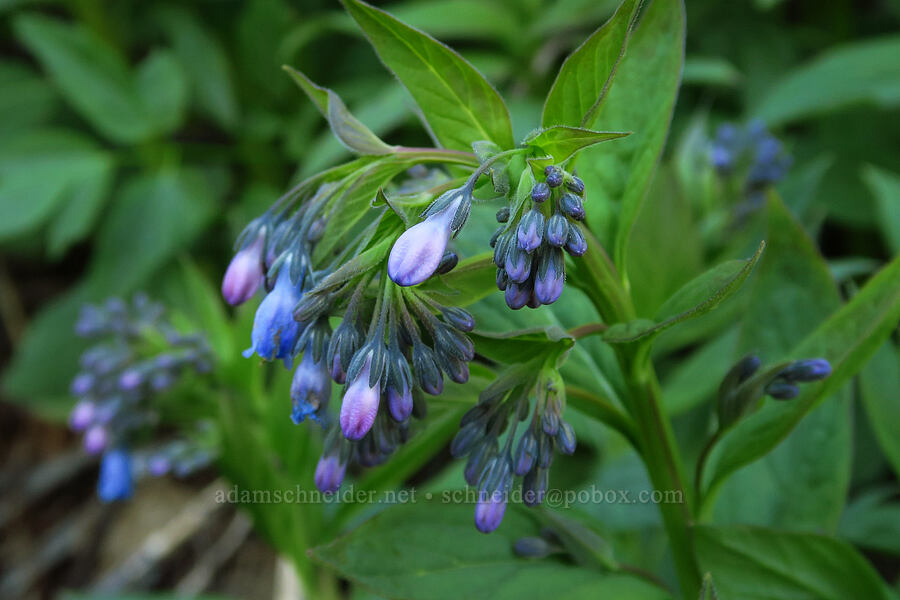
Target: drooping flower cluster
138 356
390 346
529 245
750 153
492 462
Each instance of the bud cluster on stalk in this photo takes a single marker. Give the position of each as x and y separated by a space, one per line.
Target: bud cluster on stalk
751 154
497 451
534 233
137 357
393 343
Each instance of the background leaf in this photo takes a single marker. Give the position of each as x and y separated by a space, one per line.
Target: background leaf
561 142
750 563
459 105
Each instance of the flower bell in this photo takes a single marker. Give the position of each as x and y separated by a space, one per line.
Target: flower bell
244 273
274 329
310 387
360 404
116 480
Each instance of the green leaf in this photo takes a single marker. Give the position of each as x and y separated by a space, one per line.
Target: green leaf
847 340
708 590
394 554
470 281
864 72
751 563
154 217
585 77
205 61
872 521
561 142
81 204
696 378
39 171
459 105
879 391
27 98
792 294
694 299
617 176
163 88
710 71
346 128
885 187
92 77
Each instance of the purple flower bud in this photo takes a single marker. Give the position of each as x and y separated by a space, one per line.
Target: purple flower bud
503 214
82 384
572 206
329 474
82 415
540 192
532 547
575 184
360 404
554 176
489 511
274 329
428 375
812 369
530 230
116 481
565 438
448 263
400 403
550 276
245 273
130 379
534 486
417 253
518 264
95 439
524 457
502 279
516 295
576 245
461 319
782 390
310 387
337 371
161 381
557 230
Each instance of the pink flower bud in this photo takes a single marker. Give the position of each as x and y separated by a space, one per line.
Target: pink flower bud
244 274
360 405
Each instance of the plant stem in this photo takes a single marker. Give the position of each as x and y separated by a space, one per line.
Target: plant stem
661 457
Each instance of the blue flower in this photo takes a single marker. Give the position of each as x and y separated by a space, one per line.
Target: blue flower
360 404
245 273
275 330
310 387
116 481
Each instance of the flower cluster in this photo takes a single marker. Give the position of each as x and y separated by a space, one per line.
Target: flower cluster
393 344
529 245
493 463
751 153
137 357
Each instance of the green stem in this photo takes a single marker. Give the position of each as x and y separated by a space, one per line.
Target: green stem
592 404
664 466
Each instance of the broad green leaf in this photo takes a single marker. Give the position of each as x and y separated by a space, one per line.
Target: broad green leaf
348 129
864 72
460 19
694 299
708 590
154 217
92 77
617 175
523 345
561 142
755 563
205 61
42 169
585 77
27 98
792 294
885 187
394 554
163 87
81 204
470 281
847 340
879 392
872 521
459 105
696 378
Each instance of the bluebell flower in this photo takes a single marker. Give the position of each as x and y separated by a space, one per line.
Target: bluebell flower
310 387
489 511
275 330
360 404
82 415
116 480
550 276
417 253
329 473
95 439
530 231
245 272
